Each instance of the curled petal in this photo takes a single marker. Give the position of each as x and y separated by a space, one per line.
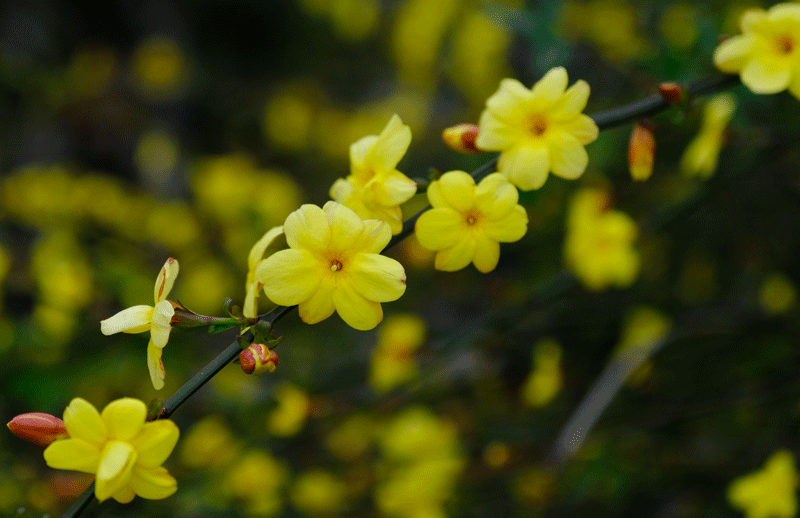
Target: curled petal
114 471
358 156
438 229
355 310
152 483
83 421
73 454
457 257
135 319
319 306
377 278
162 318
155 442
342 190
289 277
396 188
258 250
525 166
307 228
155 366
165 280
124 418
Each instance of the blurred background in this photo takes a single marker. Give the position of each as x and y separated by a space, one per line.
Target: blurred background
135 131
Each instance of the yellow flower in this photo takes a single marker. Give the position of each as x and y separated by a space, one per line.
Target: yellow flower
290 415
700 157
393 359
157 320
468 222
545 380
766 53
252 286
598 246
375 189
538 130
769 492
118 446
333 264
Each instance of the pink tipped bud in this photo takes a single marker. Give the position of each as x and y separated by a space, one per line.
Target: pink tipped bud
38 428
462 138
641 149
258 359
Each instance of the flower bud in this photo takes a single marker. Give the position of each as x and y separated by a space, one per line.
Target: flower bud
38 428
462 138
641 149
671 92
258 359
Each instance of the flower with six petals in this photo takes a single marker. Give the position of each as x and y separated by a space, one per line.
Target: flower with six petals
538 130
157 320
333 264
118 446
375 188
467 222
767 53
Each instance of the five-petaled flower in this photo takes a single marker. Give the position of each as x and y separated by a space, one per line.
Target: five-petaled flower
538 130
767 53
157 320
118 446
768 492
375 188
333 264
468 222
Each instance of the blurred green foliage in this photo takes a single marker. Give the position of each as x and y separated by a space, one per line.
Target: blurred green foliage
136 131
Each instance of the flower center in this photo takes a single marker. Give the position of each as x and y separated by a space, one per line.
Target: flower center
336 265
472 217
785 44
537 124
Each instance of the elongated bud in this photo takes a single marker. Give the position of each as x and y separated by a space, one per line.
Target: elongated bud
671 92
258 359
641 149
38 428
462 137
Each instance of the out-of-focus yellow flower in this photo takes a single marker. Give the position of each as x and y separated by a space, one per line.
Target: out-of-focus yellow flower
184 229
768 492
700 158
468 222
766 54
777 295
679 25
393 359
157 154
288 120
538 130
544 381
333 264
209 443
355 20
118 445
272 237
318 493
599 242
92 70
207 282
160 68
351 439
590 21
292 411
375 188
62 272
256 479
642 330
535 488
157 320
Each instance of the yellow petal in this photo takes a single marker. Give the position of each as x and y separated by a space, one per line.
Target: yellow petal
342 190
751 19
374 238
394 189
124 418
390 145
165 280
152 483
438 229
357 312
494 133
114 471
582 128
574 99
358 156
732 54
377 278
250 306
135 319
509 96
783 13
457 257
257 252
73 454
124 495
766 76
345 226
155 442
155 366
319 306
162 318
307 228
509 228
454 189
487 254
525 166
495 196
550 87
83 421
568 157
290 276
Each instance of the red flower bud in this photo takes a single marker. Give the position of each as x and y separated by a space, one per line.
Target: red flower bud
462 138
671 92
641 149
258 359
38 428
